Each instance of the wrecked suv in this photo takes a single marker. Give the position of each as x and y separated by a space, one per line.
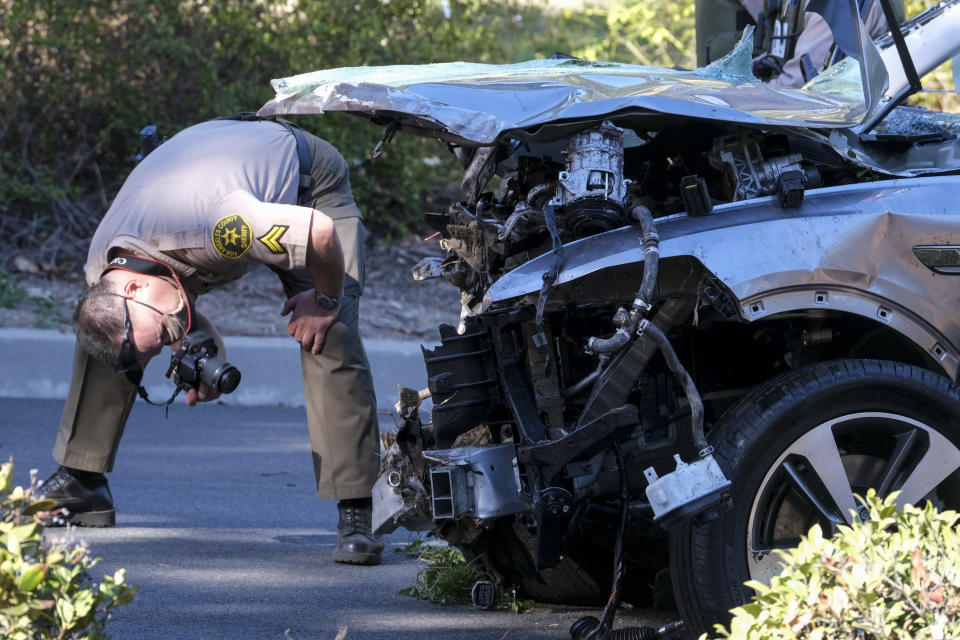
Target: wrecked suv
700 313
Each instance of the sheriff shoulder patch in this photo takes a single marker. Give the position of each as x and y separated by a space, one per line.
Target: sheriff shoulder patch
271 239
232 236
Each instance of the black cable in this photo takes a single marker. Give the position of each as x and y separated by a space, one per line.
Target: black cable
683 377
589 628
610 610
135 377
550 277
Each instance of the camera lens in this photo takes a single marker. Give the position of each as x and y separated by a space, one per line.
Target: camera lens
229 379
223 376
219 374
196 361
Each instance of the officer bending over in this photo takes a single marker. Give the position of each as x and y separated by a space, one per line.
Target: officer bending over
190 217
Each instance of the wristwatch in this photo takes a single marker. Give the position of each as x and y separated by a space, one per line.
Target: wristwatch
325 301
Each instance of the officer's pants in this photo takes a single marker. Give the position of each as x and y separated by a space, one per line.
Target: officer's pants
340 400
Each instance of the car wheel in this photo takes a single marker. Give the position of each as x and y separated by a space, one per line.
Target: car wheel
797 450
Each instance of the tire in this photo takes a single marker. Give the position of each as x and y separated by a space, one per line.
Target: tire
796 450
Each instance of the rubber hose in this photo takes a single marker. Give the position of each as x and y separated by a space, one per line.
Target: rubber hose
651 260
612 344
580 629
689 388
651 254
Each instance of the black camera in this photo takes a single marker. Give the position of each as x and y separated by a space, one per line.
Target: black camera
196 361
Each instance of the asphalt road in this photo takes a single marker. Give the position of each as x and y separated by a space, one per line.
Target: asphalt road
219 526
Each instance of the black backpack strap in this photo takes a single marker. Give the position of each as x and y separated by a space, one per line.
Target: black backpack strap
303 148
303 156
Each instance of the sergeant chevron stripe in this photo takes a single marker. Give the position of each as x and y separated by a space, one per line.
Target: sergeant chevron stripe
271 239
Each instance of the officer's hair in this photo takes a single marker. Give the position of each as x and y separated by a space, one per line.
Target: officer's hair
98 322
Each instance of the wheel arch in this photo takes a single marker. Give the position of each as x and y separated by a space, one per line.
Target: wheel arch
730 356
930 348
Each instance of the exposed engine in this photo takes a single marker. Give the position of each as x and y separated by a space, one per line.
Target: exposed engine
523 199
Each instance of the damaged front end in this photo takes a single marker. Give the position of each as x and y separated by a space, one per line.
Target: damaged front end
493 450
534 401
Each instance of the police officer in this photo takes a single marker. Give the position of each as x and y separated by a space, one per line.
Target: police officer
791 44
193 215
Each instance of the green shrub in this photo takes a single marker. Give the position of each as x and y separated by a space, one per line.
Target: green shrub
895 575
12 292
45 588
656 33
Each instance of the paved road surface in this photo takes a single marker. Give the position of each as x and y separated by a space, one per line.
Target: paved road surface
219 526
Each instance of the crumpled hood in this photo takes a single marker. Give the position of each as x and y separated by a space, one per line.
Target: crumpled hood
478 104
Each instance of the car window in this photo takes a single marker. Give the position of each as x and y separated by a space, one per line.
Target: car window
940 89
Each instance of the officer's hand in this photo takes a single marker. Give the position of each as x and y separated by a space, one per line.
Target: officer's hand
203 393
309 323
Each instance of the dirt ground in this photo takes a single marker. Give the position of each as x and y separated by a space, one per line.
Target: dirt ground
394 305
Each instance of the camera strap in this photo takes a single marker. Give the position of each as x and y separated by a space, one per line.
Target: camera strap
135 377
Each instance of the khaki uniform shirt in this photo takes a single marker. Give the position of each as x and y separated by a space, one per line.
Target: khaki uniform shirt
208 202
816 40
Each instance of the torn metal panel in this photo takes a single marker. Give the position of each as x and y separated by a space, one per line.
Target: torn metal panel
478 104
908 142
480 482
399 497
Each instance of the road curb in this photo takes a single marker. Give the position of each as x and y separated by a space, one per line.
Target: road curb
37 364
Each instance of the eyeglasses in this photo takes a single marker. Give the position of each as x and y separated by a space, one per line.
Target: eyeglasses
128 357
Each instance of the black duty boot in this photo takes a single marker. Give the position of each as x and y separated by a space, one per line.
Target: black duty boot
83 495
356 543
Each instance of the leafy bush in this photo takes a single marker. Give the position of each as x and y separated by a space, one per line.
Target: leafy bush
11 291
656 33
446 579
45 589
895 575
